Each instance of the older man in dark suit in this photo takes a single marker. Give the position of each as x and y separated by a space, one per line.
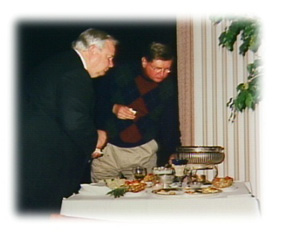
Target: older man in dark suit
58 131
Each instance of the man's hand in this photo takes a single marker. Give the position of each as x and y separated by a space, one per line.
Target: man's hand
102 139
101 143
97 153
124 112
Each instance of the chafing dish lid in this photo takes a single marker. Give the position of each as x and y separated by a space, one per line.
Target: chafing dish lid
200 149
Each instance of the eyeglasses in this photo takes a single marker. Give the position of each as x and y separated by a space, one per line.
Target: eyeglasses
159 70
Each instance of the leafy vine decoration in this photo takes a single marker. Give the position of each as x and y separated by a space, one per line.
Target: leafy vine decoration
248 93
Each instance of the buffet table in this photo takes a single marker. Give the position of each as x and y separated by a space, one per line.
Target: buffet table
92 203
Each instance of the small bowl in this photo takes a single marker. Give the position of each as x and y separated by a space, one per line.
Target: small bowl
179 162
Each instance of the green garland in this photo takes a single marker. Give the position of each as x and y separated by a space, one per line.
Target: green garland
248 93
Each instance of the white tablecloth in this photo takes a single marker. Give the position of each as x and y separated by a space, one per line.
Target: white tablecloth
93 203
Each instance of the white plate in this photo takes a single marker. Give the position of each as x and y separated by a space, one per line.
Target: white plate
229 189
91 189
135 194
202 195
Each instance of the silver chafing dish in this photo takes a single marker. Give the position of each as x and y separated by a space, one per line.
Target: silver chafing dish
201 159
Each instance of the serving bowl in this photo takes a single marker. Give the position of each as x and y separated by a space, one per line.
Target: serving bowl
205 155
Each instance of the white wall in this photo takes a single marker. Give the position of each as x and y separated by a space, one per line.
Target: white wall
210 79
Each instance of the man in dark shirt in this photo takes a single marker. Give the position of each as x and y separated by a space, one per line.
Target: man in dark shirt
58 133
143 129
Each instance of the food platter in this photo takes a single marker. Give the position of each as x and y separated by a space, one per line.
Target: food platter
203 190
135 188
168 191
187 191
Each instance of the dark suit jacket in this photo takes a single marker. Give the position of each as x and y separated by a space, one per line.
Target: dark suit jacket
57 132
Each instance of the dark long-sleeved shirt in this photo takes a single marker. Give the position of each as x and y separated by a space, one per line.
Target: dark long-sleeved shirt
156 106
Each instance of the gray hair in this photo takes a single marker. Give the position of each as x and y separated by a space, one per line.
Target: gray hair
92 37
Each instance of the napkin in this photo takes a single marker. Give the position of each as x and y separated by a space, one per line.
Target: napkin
94 189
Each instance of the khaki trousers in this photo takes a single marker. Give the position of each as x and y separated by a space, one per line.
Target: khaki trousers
116 160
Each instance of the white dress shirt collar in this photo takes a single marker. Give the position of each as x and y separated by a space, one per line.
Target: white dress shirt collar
82 59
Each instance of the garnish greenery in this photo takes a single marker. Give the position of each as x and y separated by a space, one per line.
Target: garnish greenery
118 192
